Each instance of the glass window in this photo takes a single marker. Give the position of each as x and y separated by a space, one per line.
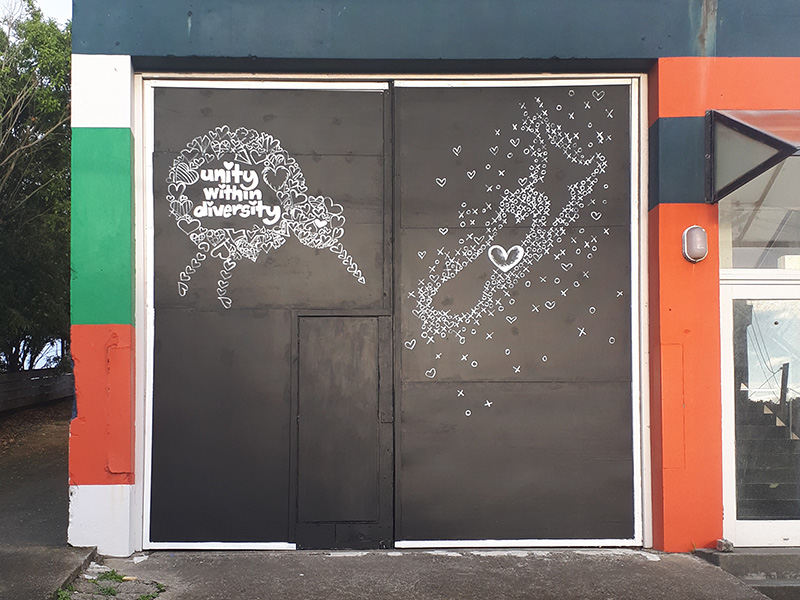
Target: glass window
760 222
766 340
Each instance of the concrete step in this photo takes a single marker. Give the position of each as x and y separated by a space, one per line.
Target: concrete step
780 445
774 490
757 563
768 475
765 431
760 508
775 572
777 589
759 460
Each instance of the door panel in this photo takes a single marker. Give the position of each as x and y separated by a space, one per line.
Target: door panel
338 420
317 159
344 443
266 202
519 468
515 312
220 443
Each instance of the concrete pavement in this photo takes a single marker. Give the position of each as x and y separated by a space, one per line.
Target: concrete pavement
435 575
35 559
34 556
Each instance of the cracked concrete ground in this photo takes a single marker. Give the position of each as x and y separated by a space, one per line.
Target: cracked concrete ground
34 491
434 575
35 559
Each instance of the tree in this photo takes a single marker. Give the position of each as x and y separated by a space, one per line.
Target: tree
34 185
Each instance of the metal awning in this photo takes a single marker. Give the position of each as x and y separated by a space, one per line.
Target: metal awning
744 144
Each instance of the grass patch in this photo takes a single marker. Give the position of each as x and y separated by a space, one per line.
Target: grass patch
111 575
65 593
106 590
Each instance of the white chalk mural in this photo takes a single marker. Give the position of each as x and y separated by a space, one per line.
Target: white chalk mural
523 204
521 248
237 194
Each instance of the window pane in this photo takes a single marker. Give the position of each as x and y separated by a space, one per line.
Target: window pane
760 222
735 154
767 382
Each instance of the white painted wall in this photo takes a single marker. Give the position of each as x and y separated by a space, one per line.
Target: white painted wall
100 515
107 516
102 90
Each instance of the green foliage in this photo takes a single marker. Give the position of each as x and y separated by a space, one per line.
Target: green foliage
106 590
34 184
65 593
111 575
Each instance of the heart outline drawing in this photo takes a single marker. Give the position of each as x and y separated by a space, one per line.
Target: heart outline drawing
505 260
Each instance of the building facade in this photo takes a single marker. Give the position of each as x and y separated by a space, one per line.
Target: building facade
393 274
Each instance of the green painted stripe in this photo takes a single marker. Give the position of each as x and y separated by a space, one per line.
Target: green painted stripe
102 226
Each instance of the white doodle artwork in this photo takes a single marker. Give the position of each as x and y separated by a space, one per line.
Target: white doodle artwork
525 203
219 175
503 292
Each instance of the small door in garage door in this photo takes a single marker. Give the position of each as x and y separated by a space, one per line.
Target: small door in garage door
345 433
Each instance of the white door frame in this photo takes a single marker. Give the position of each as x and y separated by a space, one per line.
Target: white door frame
144 84
749 285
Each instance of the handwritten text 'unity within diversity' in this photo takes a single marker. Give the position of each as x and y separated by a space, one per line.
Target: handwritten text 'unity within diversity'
239 186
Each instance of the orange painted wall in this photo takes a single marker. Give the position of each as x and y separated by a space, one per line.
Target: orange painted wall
685 382
689 86
102 434
685 376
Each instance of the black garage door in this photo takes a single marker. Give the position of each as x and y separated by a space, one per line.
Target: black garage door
391 314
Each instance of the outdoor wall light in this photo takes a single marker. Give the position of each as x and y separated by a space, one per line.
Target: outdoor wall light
695 243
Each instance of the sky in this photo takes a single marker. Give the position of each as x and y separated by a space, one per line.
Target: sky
60 10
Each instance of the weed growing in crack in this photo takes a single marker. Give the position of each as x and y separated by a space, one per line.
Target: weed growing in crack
65 593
